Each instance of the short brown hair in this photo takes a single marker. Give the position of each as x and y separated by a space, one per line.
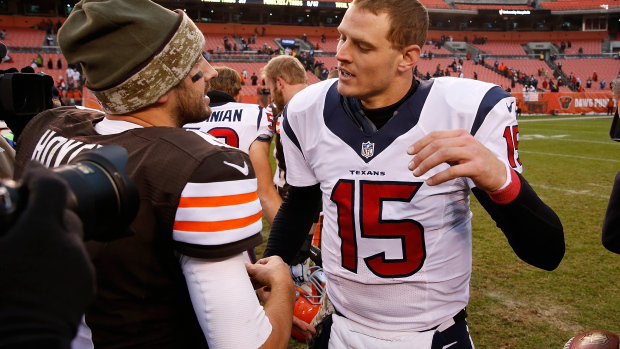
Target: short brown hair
288 68
408 20
228 80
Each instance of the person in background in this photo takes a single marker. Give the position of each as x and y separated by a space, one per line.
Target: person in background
611 222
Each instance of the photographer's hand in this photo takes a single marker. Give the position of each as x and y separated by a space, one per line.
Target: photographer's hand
47 277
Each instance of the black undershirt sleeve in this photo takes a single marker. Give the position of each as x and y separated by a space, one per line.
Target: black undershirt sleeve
293 221
533 229
611 223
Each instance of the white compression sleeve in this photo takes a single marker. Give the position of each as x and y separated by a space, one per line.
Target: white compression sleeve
225 302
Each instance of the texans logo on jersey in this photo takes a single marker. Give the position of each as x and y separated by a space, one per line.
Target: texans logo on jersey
368 149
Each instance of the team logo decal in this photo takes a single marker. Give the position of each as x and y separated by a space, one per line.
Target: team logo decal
368 149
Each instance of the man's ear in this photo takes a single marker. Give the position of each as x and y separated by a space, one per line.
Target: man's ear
163 99
411 54
279 83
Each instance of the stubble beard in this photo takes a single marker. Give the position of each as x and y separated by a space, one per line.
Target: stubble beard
190 107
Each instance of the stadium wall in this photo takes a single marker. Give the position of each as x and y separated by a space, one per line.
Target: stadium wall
26 21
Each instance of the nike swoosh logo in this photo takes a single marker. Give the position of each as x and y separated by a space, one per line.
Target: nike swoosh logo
244 170
449 345
510 107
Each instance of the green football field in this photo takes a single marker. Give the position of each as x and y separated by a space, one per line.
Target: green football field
571 163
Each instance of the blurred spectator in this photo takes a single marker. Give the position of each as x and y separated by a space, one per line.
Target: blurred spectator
50 64
594 76
603 84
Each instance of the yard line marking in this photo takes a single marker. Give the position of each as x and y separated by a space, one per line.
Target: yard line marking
603 131
570 191
600 185
584 141
565 119
568 156
536 136
530 137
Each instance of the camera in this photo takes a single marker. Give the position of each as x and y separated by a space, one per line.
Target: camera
100 193
22 96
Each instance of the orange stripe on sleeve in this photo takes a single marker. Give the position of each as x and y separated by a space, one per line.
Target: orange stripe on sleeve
218 201
206 227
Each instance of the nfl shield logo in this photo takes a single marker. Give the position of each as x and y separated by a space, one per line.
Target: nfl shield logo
368 149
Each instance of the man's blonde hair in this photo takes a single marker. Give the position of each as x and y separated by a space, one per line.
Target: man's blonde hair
408 20
287 68
228 80
616 88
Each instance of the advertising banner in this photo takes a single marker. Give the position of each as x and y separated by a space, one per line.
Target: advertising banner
559 103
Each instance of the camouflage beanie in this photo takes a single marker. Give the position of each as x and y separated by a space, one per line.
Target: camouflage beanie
132 51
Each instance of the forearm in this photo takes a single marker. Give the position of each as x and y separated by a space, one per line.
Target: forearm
270 200
293 221
279 310
533 229
611 223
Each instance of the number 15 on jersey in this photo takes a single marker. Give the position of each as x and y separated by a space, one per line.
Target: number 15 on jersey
372 197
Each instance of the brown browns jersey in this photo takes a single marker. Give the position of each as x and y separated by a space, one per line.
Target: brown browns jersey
191 188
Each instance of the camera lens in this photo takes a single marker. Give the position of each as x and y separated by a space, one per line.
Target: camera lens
101 194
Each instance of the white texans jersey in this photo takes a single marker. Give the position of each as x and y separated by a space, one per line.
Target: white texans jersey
237 124
396 251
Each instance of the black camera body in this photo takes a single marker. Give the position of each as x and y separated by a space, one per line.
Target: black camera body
101 194
22 96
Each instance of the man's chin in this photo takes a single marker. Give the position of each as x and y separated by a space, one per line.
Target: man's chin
347 90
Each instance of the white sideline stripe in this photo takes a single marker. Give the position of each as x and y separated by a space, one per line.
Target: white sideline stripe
567 156
569 191
563 119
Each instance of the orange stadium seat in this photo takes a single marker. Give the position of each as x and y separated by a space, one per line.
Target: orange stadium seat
469 6
589 47
23 59
502 48
606 68
23 37
560 5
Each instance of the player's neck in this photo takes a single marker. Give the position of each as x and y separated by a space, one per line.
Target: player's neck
291 90
394 93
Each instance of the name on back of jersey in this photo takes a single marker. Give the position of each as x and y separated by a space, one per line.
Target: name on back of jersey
230 115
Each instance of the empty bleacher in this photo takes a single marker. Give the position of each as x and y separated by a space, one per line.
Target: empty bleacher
330 44
589 47
23 38
502 48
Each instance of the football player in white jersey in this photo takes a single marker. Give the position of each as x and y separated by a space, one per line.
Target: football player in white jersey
285 76
396 240
248 127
